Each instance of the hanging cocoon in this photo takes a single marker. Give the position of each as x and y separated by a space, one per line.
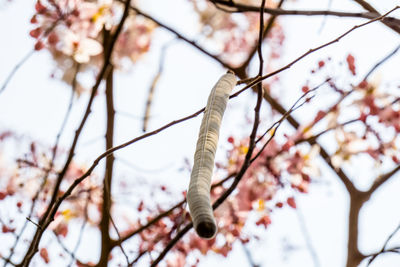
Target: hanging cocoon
198 195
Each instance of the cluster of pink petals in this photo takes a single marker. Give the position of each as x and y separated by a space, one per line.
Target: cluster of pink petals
31 179
72 31
237 33
71 27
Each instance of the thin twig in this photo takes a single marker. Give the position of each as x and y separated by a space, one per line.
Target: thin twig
166 213
329 43
34 223
15 69
382 179
26 57
70 104
239 8
325 17
342 176
381 62
153 85
180 36
81 231
307 238
384 247
119 238
49 169
53 205
249 256
7 260
268 28
392 23
148 224
254 82
294 107
141 254
260 40
316 136
237 179
247 162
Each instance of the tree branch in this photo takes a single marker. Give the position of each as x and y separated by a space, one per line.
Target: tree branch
267 29
381 180
381 62
254 82
152 88
392 23
246 164
15 69
107 182
120 245
25 58
50 168
48 216
180 36
164 214
239 8
384 247
331 42
247 160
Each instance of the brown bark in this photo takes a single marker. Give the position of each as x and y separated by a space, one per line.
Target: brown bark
106 245
354 256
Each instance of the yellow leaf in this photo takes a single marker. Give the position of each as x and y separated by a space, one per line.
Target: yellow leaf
261 205
307 128
99 13
67 213
272 131
243 149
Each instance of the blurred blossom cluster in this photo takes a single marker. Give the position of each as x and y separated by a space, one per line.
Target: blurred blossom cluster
73 32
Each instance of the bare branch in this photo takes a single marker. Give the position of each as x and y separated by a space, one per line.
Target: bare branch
108 174
381 62
7 261
384 247
275 126
52 208
343 177
180 36
366 5
164 214
307 238
267 29
119 238
257 80
171 244
382 179
316 136
15 69
260 40
392 23
25 58
152 88
242 171
249 257
237 7
81 231
329 43
246 164
50 168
